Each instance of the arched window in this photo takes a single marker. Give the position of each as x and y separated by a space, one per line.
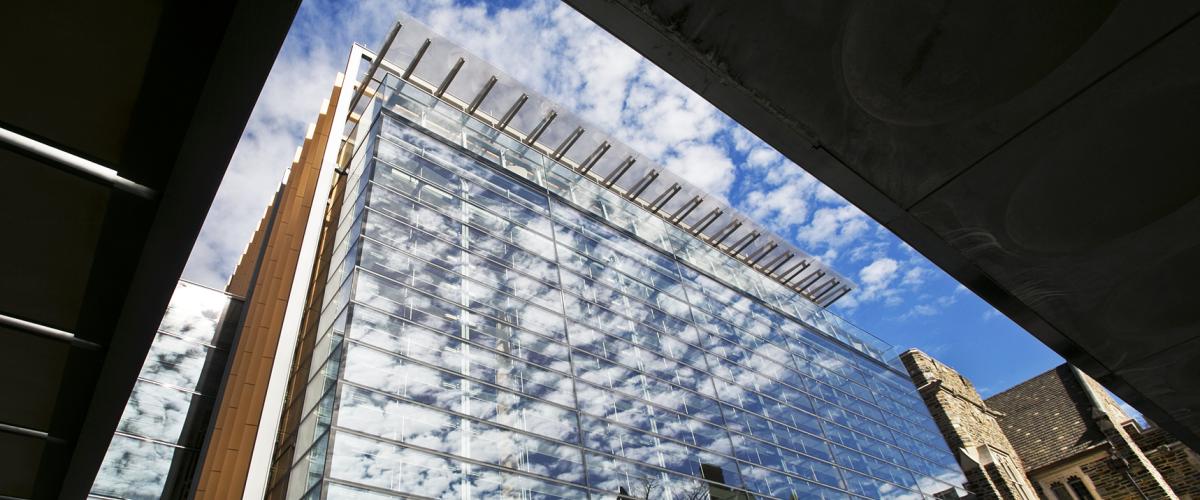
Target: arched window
1070 484
1060 492
1079 489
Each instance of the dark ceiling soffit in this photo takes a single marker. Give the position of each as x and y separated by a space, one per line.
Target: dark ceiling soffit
675 56
210 124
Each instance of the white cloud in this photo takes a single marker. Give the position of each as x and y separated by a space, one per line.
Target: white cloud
705 166
921 310
290 100
879 272
929 309
914 277
875 282
743 139
780 208
866 250
834 227
763 156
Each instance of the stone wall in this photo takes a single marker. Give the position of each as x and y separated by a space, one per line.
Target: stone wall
1128 461
1110 480
992 467
1178 464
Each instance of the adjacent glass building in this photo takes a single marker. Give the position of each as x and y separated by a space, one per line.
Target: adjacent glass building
157 442
497 325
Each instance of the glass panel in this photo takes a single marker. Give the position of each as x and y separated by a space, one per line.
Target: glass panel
193 312
135 468
156 412
175 362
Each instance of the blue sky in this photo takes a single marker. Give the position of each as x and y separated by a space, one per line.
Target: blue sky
902 297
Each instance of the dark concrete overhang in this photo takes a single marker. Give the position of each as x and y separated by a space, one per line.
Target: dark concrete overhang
1042 153
154 95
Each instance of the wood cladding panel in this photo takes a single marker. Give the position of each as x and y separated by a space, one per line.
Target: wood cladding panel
226 461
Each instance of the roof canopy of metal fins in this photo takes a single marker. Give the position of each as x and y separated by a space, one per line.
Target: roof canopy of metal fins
458 78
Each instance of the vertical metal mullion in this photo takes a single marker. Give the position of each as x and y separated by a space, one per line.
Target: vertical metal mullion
464 319
570 346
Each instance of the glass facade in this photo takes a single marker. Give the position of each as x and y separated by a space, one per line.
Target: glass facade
497 326
155 447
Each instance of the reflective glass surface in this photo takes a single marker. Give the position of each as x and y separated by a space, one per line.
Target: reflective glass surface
496 328
161 428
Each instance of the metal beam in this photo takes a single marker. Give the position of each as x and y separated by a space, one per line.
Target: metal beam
809 281
766 249
449 78
753 236
726 231
665 197
370 76
795 271
415 60
743 239
832 286
707 220
487 87
541 127
591 160
779 261
616 174
23 431
512 111
642 184
686 209
845 290
567 143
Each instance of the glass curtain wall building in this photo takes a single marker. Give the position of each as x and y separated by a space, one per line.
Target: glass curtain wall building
497 325
475 297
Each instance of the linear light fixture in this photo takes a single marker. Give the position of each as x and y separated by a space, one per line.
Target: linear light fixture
76 164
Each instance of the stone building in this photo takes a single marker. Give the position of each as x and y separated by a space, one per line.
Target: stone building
1062 429
992 467
1071 436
